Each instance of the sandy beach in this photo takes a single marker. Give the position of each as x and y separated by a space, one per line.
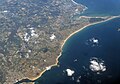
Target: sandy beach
74 2
112 17
56 64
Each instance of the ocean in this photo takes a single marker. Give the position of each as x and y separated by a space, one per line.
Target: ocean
92 55
99 43
101 7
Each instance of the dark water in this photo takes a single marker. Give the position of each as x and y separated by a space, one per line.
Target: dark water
101 7
80 49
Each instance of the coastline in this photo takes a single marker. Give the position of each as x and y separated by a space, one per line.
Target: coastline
64 41
33 79
84 9
112 17
74 2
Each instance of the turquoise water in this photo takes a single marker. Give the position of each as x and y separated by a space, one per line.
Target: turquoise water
101 7
80 49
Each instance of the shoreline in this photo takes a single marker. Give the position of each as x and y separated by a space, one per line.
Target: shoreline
64 41
56 64
84 9
112 17
75 2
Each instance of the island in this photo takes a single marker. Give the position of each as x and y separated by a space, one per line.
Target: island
32 34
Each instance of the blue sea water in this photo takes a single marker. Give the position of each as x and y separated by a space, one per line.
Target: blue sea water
80 49
101 7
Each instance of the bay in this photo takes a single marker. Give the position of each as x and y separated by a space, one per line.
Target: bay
101 7
98 43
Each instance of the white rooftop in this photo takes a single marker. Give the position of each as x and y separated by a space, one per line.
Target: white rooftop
26 37
33 33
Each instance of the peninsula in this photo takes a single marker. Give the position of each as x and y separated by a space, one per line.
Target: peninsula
32 34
